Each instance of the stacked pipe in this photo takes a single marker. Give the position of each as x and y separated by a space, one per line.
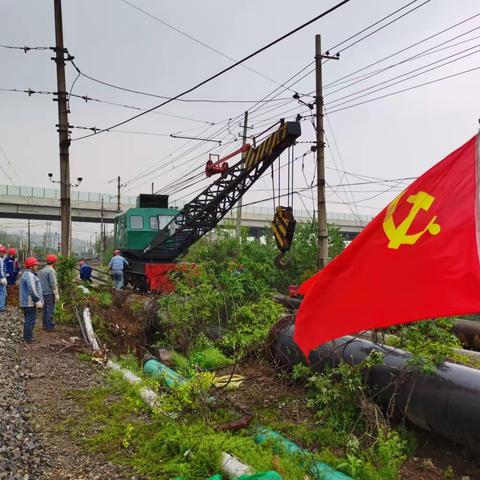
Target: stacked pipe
446 402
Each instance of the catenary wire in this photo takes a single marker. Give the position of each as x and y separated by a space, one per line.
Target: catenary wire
429 51
356 95
463 72
196 40
338 80
223 71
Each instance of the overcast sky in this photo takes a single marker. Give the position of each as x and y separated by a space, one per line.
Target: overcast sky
395 137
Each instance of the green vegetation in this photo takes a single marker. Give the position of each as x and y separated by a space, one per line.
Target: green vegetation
115 423
429 342
70 295
231 290
104 297
348 421
220 315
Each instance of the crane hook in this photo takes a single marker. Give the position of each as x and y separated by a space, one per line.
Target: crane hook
281 262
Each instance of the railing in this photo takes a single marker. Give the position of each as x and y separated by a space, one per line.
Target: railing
75 195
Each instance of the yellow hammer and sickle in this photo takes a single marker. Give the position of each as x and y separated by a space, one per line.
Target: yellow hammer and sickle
398 235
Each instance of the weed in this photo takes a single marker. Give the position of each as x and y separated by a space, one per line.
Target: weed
84 357
157 448
429 342
136 307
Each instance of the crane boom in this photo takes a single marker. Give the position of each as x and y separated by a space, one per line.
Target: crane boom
206 210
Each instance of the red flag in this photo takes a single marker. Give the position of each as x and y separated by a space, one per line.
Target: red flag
417 259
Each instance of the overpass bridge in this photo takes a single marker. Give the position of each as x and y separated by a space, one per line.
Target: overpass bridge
44 204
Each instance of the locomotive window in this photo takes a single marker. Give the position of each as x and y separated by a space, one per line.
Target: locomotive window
164 220
153 223
136 222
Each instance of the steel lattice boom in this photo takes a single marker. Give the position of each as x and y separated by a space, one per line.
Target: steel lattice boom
205 211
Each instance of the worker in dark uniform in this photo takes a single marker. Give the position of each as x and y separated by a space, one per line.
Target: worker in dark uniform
85 272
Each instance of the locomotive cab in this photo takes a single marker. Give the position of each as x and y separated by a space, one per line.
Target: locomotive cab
135 229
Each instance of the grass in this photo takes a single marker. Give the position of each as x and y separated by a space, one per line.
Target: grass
116 423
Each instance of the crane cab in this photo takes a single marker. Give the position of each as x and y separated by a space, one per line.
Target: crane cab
136 228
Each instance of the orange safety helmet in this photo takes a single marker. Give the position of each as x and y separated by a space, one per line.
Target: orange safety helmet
115 252
12 251
51 258
31 262
3 249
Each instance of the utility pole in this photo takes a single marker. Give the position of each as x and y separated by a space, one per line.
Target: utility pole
28 239
119 186
101 234
64 141
238 226
322 235
153 188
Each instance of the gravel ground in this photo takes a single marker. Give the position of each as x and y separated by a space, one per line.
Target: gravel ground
21 451
36 382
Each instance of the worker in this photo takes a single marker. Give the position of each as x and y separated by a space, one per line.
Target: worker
12 267
85 272
30 297
3 279
116 266
48 281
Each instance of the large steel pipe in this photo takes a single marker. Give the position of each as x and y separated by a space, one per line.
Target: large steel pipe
468 333
446 403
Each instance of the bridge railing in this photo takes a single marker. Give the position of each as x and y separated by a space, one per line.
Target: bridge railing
75 195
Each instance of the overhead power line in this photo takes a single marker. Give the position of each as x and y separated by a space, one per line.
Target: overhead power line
279 90
339 80
87 99
390 82
164 97
429 51
199 42
25 48
225 70
405 90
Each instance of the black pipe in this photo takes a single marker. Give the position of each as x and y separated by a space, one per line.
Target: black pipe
468 333
288 302
446 403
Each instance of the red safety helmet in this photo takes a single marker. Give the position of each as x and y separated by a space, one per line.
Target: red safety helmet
3 249
31 262
51 258
12 251
115 252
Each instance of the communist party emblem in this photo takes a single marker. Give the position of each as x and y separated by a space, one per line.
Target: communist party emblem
399 234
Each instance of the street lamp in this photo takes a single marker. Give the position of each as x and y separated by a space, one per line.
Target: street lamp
79 180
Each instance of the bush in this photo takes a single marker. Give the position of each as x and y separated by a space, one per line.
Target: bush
429 342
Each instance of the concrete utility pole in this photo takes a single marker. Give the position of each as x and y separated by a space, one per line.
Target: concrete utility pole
28 240
322 236
64 141
238 226
119 187
102 242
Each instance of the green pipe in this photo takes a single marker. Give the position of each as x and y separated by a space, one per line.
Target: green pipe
319 470
271 475
157 369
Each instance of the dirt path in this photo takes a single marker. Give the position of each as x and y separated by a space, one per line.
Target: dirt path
47 375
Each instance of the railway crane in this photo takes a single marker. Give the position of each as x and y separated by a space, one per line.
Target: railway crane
153 236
